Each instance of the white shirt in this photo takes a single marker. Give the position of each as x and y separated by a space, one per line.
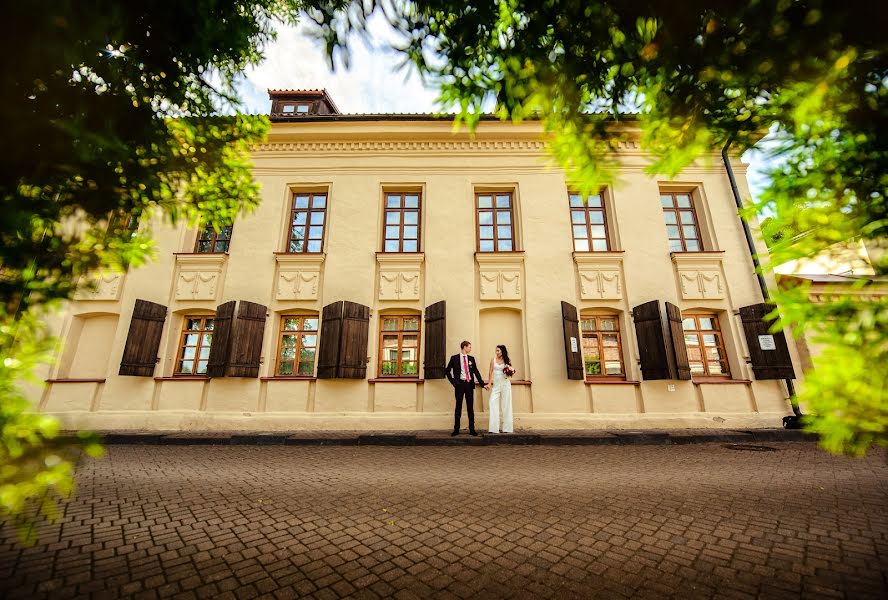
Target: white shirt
463 362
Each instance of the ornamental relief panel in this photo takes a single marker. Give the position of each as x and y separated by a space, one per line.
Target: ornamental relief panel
298 276
698 285
700 275
500 284
297 285
104 287
198 277
398 285
600 284
197 285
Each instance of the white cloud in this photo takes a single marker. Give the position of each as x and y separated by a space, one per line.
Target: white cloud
371 84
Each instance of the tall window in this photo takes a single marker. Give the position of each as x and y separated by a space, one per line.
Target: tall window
588 222
602 348
399 346
307 218
297 345
401 232
194 346
706 348
126 222
681 222
496 231
209 240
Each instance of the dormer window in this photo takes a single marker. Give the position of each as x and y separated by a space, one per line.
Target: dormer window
288 104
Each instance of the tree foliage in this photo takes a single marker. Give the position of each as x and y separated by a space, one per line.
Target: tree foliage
699 75
111 111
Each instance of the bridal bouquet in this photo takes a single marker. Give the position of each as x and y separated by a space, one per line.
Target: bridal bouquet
508 371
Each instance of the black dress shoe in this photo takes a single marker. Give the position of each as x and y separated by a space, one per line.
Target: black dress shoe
454 433
475 433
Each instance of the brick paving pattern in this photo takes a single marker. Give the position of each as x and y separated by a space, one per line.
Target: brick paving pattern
690 521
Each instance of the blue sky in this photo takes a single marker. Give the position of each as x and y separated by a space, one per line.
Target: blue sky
376 82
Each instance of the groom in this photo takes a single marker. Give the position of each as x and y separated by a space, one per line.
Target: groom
460 372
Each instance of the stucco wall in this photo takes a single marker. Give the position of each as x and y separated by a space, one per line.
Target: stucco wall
355 163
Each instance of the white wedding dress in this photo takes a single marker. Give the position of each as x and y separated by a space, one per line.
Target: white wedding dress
500 401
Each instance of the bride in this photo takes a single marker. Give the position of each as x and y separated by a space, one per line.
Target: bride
501 396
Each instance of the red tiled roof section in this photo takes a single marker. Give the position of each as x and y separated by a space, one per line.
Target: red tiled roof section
274 93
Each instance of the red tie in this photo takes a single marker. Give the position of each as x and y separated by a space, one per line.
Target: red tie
466 363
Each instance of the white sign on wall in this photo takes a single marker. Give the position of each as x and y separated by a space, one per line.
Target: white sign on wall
766 342
573 344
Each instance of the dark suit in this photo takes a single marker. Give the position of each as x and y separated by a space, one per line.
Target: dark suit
463 388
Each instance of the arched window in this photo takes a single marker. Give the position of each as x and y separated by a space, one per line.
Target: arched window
602 346
194 344
297 345
399 345
705 344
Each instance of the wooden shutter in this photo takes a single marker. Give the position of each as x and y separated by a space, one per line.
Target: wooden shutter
353 341
679 350
328 349
220 348
652 349
143 339
766 364
573 351
435 340
246 343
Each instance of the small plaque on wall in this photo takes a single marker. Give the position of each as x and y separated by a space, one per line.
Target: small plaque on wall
573 344
766 342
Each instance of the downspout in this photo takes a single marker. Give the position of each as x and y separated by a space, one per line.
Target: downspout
789 422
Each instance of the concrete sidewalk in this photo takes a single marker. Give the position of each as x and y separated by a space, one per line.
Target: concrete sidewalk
442 438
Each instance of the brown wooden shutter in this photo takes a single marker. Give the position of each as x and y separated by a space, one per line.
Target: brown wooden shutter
435 340
246 343
353 342
766 364
328 349
679 349
143 339
573 351
652 348
220 348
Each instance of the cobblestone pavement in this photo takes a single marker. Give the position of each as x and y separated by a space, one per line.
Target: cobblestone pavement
698 521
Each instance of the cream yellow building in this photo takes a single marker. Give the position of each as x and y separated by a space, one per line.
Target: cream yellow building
844 270
381 242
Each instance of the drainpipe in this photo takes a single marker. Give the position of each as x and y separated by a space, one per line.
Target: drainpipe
793 422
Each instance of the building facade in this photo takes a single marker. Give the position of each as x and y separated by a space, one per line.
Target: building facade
844 270
382 242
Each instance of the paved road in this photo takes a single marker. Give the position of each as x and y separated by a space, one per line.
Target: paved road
698 521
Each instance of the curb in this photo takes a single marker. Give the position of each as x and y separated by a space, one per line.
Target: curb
439 438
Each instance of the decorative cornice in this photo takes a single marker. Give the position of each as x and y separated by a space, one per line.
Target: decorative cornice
300 258
693 259
499 258
214 259
513 145
403 258
598 258
409 146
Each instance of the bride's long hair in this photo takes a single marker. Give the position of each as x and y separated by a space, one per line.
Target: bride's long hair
506 359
